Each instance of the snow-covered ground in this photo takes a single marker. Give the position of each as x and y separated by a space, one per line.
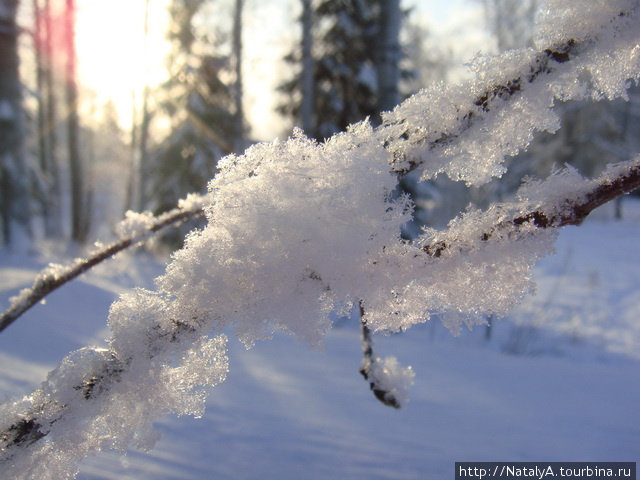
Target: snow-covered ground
558 380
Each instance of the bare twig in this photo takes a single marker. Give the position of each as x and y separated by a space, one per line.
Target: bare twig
48 282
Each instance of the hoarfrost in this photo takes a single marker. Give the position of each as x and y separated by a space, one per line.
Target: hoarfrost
298 228
193 201
466 131
293 226
135 224
98 402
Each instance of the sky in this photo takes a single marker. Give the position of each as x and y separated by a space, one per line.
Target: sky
109 59
110 64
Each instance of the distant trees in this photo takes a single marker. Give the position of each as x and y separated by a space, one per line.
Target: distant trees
14 176
355 59
511 21
236 55
201 105
354 66
307 88
136 187
32 173
80 195
205 107
49 190
48 158
388 56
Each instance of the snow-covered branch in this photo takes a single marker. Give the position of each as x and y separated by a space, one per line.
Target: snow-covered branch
493 98
55 276
437 130
466 130
100 369
572 209
388 380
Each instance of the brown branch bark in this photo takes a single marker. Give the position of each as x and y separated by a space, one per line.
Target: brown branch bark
573 211
45 284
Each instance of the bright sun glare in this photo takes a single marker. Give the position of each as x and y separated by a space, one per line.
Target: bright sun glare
113 64
113 60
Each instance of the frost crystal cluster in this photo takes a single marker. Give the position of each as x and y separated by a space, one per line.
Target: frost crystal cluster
298 229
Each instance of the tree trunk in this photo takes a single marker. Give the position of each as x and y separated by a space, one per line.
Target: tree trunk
237 59
389 55
133 182
46 119
143 153
55 194
143 158
14 197
306 108
39 40
78 227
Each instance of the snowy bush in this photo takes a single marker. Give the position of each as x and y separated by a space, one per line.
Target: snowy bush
297 230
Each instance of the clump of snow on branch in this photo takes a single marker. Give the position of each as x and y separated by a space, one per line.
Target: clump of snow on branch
297 229
466 131
390 377
141 224
96 401
51 273
294 228
561 20
135 224
193 201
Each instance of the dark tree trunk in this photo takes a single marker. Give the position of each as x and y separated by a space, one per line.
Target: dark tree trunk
306 107
133 181
78 224
55 197
238 93
39 41
14 203
389 55
142 164
47 140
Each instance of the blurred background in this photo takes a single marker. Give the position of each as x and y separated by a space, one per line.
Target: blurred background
111 106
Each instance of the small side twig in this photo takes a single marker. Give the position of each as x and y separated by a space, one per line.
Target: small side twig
46 283
368 363
571 212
